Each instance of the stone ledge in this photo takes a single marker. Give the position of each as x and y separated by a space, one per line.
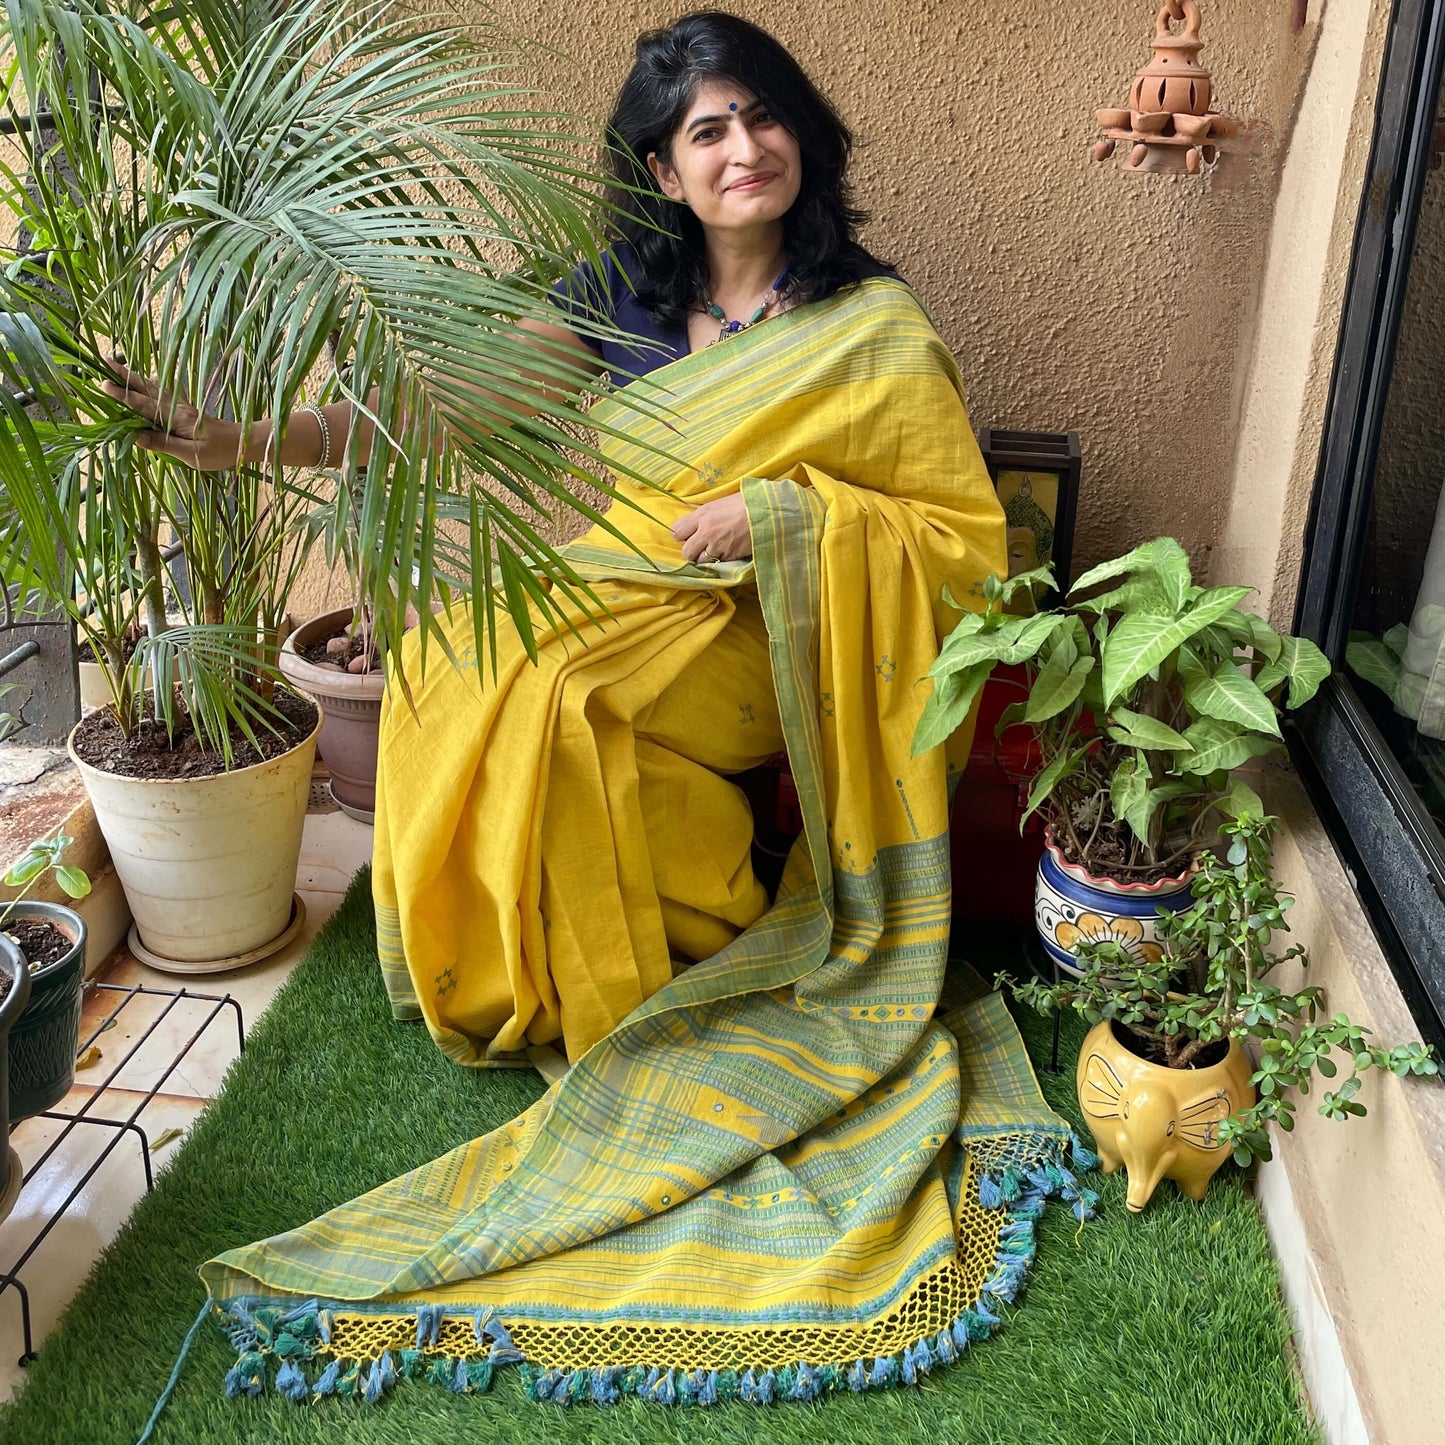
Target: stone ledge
1363 1202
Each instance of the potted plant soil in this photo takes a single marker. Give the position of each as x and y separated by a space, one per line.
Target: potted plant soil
1143 699
1193 1053
205 840
334 659
14 995
51 939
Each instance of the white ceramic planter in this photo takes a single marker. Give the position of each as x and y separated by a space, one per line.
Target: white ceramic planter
208 864
94 690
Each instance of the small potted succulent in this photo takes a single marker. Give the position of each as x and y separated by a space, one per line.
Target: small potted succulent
1143 698
51 940
1193 1053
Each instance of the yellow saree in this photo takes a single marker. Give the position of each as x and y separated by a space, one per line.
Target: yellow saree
779 1173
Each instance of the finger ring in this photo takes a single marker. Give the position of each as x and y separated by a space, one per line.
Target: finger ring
706 556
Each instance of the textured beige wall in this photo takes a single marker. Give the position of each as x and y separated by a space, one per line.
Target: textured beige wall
1073 295
1285 379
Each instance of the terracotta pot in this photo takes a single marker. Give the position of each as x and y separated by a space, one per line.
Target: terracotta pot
42 1040
1159 1123
1071 905
208 864
350 706
14 967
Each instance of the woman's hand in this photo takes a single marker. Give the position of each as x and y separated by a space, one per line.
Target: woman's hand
185 432
716 531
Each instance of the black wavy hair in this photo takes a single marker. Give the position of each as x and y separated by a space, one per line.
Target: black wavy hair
821 226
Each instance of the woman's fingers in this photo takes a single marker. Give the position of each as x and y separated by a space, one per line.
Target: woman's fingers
142 394
685 526
171 445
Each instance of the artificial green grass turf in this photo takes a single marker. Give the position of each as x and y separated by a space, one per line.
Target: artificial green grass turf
1160 1329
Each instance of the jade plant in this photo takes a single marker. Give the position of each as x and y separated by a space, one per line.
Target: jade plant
1142 697
1212 983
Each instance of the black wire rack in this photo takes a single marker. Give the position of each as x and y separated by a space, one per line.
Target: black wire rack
127 994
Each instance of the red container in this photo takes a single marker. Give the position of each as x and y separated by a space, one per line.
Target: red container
993 864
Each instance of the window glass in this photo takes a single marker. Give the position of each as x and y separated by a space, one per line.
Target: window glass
1396 653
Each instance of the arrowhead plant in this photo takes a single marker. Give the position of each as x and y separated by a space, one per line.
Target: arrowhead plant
1145 692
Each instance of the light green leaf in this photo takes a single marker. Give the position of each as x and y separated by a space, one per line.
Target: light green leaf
1222 746
1247 629
1397 638
1026 639
1049 778
1131 796
1191 669
1040 577
953 696
1139 730
1376 664
1241 801
1165 564
1139 642
1057 686
72 880
1306 666
1302 663
1228 694
24 869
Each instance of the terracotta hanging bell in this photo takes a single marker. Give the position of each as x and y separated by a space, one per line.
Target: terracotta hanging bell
1168 121
1174 81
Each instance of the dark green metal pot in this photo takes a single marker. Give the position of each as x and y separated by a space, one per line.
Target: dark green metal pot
13 966
44 1037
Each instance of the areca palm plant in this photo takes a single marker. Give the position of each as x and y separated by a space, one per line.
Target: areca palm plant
262 205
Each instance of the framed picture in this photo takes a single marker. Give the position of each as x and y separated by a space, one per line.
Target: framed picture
1036 475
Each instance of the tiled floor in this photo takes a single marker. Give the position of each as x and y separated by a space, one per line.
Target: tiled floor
333 847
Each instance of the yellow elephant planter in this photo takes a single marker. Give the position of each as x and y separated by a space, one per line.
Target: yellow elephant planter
1159 1123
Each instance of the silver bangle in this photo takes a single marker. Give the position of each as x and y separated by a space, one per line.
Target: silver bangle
320 416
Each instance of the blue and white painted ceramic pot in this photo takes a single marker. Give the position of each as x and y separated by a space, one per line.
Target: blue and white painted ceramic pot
1071 904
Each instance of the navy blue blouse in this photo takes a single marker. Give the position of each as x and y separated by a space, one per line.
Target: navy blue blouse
611 296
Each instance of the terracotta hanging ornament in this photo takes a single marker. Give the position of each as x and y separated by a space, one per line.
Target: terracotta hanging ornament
1168 121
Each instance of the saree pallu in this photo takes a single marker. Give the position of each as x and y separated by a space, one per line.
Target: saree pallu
786 1171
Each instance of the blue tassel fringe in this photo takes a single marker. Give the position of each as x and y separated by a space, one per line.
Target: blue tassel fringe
267 1336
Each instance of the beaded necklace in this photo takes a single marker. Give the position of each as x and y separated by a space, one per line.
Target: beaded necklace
731 328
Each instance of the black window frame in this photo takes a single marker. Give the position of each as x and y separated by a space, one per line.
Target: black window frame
1393 848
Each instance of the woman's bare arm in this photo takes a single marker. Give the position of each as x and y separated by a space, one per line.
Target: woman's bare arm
210 443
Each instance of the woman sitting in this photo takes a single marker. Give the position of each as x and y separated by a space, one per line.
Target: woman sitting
771 1157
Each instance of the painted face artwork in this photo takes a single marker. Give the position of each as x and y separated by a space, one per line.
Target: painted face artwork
732 161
